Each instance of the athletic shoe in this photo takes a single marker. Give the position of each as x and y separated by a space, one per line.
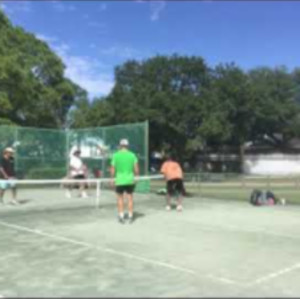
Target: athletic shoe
121 220
168 208
130 220
84 195
179 208
14 202
283 201
68 194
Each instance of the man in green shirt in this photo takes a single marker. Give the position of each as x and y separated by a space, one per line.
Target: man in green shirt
124 167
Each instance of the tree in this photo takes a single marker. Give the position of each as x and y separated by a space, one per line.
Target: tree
94 113
230 112
274 92
167 91
33 90
191 107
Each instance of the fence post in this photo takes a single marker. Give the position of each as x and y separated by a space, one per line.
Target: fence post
199 182
243 181
297 182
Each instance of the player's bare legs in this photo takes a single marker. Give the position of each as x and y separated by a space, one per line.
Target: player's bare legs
130 206
14 195
168 199
82 190
2 191
120 204
179 202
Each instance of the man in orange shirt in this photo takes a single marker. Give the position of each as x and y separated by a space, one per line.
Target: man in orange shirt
174 177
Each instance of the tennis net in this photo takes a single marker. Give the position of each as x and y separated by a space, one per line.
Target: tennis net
71 193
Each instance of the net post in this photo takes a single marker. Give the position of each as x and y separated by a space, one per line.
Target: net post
98 189
268 181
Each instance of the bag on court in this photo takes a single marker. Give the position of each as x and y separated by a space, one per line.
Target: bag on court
256 197
259 198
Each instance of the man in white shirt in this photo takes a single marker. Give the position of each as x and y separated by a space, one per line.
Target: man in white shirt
77 170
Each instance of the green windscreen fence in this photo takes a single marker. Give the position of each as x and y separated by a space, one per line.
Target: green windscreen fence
45 153
98 144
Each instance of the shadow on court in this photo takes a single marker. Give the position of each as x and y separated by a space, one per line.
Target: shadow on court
24 201
137 215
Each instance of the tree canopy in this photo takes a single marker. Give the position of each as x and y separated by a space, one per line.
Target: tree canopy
33 89
191 106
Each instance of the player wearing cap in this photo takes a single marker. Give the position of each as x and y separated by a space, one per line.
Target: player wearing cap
7 175
124 167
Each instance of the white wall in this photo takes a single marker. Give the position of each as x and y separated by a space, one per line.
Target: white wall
272 164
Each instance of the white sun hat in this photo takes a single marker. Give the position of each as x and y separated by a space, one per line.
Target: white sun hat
9 150
124 142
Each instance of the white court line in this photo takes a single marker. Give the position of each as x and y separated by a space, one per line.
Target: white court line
233 228
237 229
112 251
274 275
224 280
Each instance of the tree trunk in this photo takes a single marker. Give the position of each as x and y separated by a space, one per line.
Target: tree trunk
242 156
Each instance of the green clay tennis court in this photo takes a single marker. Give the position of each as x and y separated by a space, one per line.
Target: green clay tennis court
53 247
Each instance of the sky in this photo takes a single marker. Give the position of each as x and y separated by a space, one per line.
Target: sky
93 37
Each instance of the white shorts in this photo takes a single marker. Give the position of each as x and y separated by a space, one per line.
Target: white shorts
5 184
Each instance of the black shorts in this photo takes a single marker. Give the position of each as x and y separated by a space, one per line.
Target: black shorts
78 176
77 185
175 186
125 189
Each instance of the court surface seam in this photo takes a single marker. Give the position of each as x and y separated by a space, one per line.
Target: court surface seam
232 228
